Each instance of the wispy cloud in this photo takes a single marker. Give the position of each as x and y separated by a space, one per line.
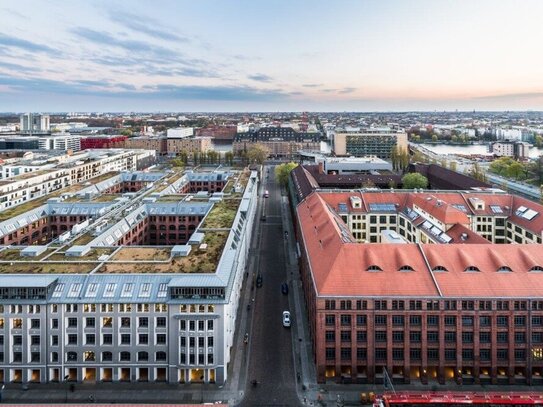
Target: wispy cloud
123 90
347 90
9 41
521 95
260 77
312 85
146 26
17 67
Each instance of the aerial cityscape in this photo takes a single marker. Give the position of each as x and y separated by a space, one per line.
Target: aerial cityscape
283 203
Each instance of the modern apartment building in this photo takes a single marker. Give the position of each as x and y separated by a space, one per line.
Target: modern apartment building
283 142
70 170
136 288
368 143
62 142
448 304
34 123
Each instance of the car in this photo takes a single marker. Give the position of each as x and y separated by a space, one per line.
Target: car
286 319
259 281
266 194
284 288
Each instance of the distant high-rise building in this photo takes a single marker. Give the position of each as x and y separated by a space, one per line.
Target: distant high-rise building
35 123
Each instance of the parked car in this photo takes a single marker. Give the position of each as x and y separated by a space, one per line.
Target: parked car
286 319
284 288
266 194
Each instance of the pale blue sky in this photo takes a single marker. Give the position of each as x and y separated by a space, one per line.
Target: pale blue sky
270 55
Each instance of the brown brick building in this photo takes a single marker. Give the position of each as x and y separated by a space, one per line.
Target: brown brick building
468 313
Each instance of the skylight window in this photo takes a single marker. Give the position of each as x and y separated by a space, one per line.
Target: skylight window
472 268
439 268
110 290
496 209
373 267
406 268
128 288
92 289
58 290
145 290
536 268
75 288
162 290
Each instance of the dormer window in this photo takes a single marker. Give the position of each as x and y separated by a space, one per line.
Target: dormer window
439 268
472 268
536 268
373 267
406 268
504 269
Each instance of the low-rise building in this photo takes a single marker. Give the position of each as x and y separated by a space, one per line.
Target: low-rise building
514 149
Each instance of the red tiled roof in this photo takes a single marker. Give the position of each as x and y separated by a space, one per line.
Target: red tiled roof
439 208
340 267
536 224
471 237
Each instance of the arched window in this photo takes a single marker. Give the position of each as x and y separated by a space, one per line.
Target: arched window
504 269
161 356
472 268
439 268
373 267
536 268
406 267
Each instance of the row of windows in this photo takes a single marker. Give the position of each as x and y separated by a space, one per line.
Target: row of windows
434 320
433 336
466 305
381 354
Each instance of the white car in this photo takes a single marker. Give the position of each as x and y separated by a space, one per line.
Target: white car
286 319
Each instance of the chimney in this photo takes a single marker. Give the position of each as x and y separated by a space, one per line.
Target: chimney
321 167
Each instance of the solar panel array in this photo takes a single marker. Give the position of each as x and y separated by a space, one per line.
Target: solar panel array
342 207
496 209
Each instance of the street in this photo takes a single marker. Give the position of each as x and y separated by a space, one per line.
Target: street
270 344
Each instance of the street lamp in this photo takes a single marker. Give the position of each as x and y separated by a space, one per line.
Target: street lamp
66 392
2 391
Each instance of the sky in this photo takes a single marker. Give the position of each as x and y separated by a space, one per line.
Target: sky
273 55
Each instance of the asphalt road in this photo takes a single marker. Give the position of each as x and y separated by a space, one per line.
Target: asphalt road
270 344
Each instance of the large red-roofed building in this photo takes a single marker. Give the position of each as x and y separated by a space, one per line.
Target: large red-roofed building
454 302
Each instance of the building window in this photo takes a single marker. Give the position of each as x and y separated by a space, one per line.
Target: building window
330 353
330 336
432 336
484 355
72 322
143 339
330 320
502 337
415 354
432 320
397 354
125 339
484 320
433 354
520 337
467 337
72 339
520 354
415 336
520 320
502 354
107 339
161 339
466 320
450 320
467 354
502 320
345 320
361 320
143 322
397 336
380 354
361 336
90 339
415 320
361 353
380 319
345 336
450 354
89 356
345 353
484 337
143 356
397 320
107 356
124 357
380 336
71 357
125 322
450 337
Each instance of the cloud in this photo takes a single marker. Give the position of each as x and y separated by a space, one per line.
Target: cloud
260 77
147 26
17 67
24 45
312 85
172 92
522 95
347 90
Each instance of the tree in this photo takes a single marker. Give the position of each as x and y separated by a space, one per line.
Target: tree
516 170
476 172
177 162
126 132
229 158
368 183
394 157
414 180
282 172
184 156
257 153
434 138
538 140
403 157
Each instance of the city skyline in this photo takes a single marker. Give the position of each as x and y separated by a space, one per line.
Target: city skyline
242 56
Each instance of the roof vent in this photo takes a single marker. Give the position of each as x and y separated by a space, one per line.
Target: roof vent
464 236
